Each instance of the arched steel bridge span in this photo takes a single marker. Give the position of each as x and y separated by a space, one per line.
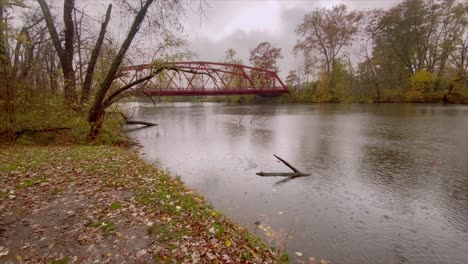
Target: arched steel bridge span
198 78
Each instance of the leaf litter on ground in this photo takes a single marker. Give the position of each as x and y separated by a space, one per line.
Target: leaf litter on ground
94 203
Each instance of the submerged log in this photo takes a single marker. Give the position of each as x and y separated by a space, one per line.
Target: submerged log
135 122
291 175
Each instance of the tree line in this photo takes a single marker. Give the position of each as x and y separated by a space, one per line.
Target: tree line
415 51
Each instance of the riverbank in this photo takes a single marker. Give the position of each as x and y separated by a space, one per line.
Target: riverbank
81 204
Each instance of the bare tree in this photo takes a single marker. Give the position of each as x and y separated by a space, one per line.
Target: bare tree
292 78
65 53
94 57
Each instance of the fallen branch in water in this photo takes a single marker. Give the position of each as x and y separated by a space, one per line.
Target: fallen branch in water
136 122
291 175
287 164
282 174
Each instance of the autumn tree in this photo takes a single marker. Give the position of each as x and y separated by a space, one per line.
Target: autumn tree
421 34
292 78
327 32
265 55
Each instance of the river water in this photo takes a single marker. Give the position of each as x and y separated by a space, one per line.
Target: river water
388 184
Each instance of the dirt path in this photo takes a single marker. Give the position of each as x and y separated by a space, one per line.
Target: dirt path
104 205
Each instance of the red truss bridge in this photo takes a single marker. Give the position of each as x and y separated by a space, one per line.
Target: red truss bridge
196 78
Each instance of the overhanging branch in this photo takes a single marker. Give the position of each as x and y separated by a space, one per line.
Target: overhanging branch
112 98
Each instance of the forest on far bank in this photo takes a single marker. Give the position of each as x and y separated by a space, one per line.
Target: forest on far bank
414 52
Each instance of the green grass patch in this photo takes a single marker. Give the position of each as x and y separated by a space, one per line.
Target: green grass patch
25 184
115 205
108 228
166 232
55 191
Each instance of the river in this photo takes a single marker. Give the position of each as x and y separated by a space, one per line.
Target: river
388 184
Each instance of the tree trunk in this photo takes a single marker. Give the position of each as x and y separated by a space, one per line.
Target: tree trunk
377 87
65 54
97 111
96 126
6 89
3 53
94 57
68 71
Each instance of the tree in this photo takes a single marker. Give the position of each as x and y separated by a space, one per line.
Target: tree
94 57
65 53
421 34
327 31
10 61
96 113
459 55
265 55
230 56
292 78
108 91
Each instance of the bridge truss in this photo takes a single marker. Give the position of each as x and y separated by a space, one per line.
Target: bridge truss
197 78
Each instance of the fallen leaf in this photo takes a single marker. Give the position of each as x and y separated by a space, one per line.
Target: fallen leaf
4 251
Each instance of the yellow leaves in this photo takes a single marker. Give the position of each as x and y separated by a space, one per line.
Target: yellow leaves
213 213
228 243
253 253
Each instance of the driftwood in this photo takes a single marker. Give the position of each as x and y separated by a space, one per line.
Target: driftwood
135 122
282 174
287 164
291 175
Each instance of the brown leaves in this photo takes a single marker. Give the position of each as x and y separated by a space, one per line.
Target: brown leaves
103 203
265 55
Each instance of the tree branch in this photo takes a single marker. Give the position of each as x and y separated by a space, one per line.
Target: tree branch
94 57
109 78
110 100
52 30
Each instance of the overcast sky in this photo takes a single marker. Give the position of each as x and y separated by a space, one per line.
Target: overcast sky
237 24
243 24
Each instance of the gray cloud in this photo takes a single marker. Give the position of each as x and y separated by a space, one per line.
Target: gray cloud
214 35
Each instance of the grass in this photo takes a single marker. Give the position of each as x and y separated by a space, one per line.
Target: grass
179 217
107 227
49 111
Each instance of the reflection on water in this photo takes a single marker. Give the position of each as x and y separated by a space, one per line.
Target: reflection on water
389 183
